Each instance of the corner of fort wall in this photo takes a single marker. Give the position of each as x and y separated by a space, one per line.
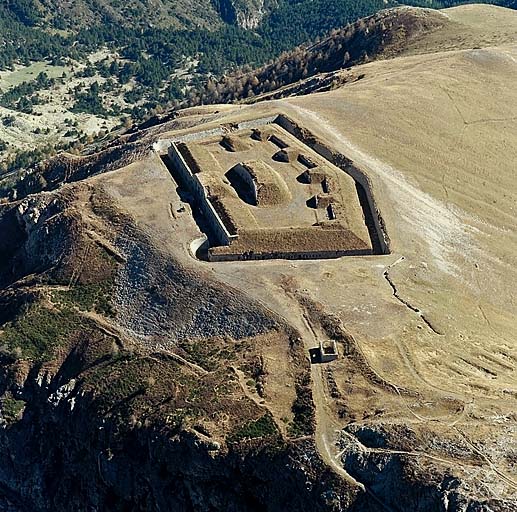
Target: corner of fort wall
215 222
346 165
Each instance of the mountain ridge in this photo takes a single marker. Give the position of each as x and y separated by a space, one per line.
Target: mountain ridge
135 376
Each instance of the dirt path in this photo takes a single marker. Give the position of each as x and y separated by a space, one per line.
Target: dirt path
388 451
328 429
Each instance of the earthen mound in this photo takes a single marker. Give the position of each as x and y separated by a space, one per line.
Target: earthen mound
234 144
265 185
286 155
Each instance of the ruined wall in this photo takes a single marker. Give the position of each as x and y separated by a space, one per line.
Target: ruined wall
256 123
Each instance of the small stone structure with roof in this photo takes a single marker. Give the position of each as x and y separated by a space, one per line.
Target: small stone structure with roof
328 351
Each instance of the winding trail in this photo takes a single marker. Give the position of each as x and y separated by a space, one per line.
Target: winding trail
328 428
444 235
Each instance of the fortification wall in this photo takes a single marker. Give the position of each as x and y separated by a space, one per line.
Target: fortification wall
196 188
193 137
162 145
308 255
381 241
256 123
379 237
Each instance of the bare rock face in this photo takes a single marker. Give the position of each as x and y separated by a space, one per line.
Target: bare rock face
245 13
249 16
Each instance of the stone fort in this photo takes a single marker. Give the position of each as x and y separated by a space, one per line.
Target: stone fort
261 192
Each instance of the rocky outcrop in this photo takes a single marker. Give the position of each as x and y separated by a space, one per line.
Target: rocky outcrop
94 418
245 13
65 455
385 459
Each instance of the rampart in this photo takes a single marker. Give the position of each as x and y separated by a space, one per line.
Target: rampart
221 233
380 239
195 187
291 244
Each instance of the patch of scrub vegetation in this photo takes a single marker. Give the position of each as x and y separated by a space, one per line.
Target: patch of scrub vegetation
11 408
134 389
37 331
208 353
303 408
259 429
24 159
88 297
126 376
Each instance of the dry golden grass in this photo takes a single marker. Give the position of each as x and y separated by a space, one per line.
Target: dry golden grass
429 330
322 239
435 131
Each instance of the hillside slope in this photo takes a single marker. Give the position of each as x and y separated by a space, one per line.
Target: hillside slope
384 35
137 377
162 13
99 65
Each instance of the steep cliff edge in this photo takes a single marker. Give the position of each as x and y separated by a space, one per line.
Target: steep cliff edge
245 13
122 375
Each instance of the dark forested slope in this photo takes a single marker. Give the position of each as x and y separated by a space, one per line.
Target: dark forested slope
232 32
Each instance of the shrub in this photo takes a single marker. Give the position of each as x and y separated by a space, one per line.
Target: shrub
35 332
261 428
12 408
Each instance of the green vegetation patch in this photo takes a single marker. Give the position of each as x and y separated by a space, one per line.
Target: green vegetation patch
37 331
303 409
89 297
28 73
23 96
262 428
134 390
12 408
124 377
208 353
